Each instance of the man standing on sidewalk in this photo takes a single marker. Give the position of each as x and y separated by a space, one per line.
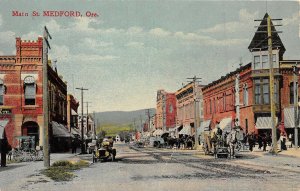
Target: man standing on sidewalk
3 150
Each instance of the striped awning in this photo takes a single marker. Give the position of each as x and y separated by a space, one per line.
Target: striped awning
3 124
264 123
204 126
186 130
289 118
158 132
60 131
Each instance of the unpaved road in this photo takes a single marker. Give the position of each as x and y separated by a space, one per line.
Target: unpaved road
166 169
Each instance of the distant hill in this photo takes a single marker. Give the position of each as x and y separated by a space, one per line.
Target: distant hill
122 117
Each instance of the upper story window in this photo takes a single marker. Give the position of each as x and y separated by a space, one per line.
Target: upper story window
261 60
245 94
292 92
171 109
30 90
2 89
262 91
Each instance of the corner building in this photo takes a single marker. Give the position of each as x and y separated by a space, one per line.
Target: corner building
244 94
21 93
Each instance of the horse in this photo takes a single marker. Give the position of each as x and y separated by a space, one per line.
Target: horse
231 141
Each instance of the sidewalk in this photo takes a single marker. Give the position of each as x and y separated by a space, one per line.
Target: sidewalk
290 152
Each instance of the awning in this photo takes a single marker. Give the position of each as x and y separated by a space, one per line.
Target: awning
289 118
186 130
73 112
225 124
75 131
3 124
264 123
204 126
174 128
158 132
60 131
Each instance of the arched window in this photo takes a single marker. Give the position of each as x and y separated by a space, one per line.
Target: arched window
2 89
29 90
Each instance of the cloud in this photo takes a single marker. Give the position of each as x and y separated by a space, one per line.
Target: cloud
1 20
135 44
33 35
294 20
244 22
159 32
93 57
207 40
134 30
53 26
1 53
7 37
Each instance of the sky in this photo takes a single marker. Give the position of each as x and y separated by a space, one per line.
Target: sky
134 48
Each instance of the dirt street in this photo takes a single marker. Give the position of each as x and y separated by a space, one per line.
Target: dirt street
168 169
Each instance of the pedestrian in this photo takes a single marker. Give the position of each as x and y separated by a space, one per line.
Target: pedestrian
260 142
251 141
73 145
264 142
3 150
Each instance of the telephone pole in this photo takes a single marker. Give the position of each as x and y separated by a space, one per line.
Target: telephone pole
271 76
87 117
46 149
148 115
195 80
94 125
82 134
296 111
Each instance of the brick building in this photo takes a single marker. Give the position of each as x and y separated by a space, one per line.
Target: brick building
21 98
72 114
165 110
244 94
186 97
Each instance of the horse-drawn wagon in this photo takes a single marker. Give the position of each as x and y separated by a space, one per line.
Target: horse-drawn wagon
222 141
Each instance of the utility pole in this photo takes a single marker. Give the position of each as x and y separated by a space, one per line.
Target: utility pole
148 115
82 134
141 124
296 121
87 117
194 80
271 75
46 149
94 125
237 99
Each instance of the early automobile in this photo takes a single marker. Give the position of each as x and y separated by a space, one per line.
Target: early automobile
105 152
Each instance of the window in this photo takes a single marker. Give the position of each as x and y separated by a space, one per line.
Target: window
30 90
171 109
266 89
292 92
245 94
224 101
257 62
1 92
210 107
264 62
262 91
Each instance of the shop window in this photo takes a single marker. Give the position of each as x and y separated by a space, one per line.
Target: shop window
30 90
